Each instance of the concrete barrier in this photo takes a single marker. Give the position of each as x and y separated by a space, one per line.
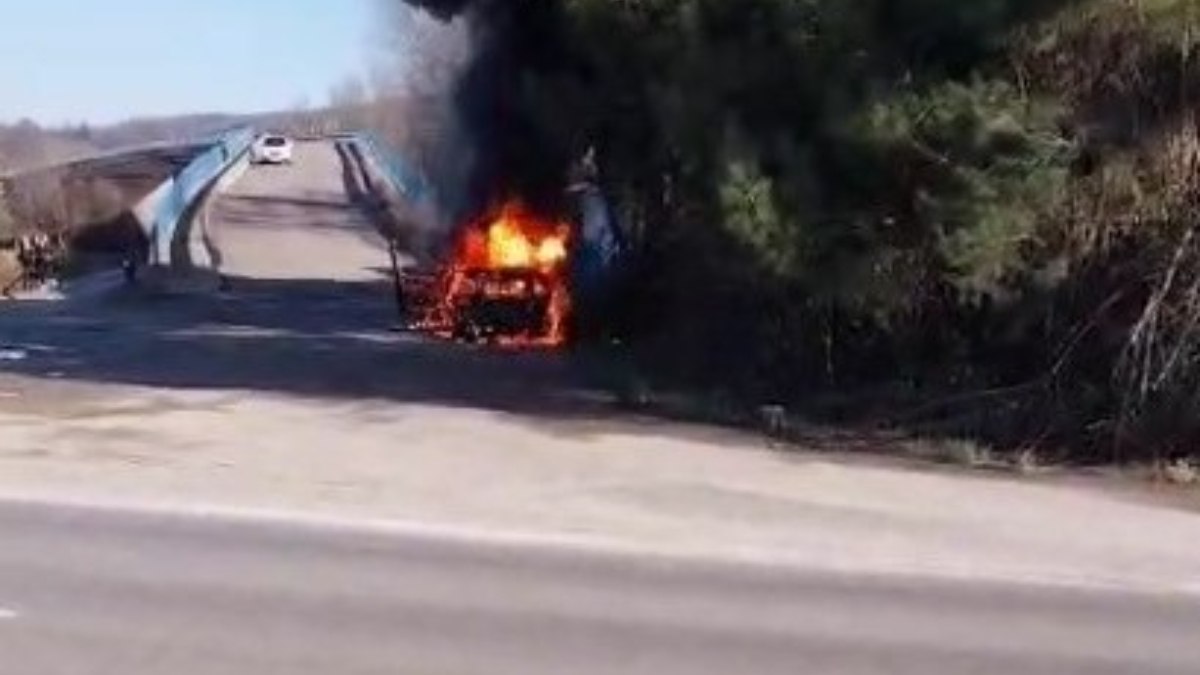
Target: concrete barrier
169 237
203 240
144 211
183 255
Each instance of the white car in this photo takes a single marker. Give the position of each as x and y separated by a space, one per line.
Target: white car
272 149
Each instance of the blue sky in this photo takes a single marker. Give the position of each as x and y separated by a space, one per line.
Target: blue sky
103 61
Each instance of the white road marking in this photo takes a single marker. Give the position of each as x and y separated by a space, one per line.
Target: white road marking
7 614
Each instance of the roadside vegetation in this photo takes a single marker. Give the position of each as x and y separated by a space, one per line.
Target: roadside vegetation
10 269
975 219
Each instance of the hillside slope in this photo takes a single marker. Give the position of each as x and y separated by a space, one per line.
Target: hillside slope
965 217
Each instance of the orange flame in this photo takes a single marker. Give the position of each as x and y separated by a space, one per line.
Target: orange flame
517 242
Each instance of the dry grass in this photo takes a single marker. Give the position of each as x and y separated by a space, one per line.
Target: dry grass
955 451
10 271
1182 472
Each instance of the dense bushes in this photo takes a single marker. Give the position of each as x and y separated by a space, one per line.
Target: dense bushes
985 209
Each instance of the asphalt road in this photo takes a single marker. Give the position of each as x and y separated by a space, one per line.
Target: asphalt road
288 392
298 222
112 593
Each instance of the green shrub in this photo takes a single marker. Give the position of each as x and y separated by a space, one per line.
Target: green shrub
937 194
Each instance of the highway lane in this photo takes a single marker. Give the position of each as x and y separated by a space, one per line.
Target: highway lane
298 222
106 592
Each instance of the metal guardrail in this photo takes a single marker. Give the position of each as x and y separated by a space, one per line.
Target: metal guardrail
408 181
185 187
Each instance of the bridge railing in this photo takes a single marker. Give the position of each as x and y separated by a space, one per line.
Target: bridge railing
404 178
182 191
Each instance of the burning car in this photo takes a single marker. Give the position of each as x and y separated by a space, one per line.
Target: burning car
505 283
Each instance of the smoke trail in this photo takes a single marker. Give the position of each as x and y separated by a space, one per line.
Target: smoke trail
463 67
416 80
